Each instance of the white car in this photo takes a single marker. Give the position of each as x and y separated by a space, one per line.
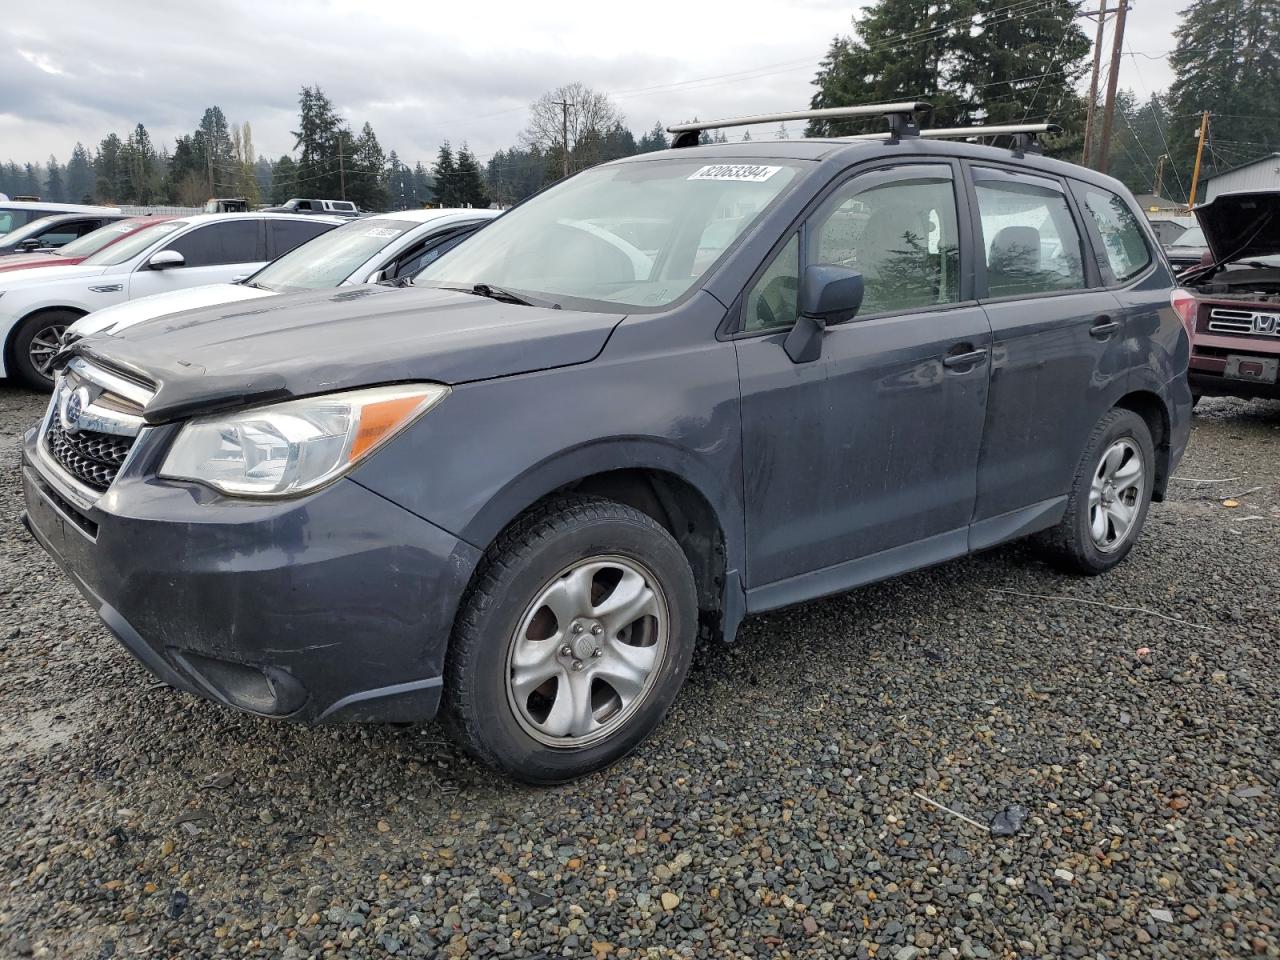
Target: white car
388 247
37 306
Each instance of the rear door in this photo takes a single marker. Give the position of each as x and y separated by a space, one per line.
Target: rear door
1058 356
284 235
875 444
216 252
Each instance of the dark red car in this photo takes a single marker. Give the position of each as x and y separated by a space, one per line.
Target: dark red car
1232 305
78 249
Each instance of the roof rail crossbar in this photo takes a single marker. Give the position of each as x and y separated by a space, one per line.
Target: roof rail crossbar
901 117
1024 134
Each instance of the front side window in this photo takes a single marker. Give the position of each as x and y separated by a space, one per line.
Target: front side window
229 241
624 236
332 257
899 230
1122 239
132 245
1031 241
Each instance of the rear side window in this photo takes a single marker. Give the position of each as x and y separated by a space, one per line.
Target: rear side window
1122 238
287 234
64 233
231 241
428 252
1032 244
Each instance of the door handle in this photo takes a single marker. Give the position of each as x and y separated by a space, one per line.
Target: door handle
966 359
1103 328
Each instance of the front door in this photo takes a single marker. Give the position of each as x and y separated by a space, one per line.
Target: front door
216 252
875 444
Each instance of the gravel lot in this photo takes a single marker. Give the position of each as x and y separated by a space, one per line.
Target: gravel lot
777 812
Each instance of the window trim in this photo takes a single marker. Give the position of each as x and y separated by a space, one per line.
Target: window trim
731 328
1011 173
1109 279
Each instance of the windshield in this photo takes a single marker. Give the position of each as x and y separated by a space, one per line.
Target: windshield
331 257
95 241
130 246
633 235
1192 238
32 229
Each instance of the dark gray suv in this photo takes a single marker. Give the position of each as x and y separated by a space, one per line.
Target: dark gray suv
666 393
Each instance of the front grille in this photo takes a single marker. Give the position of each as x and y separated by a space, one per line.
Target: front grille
92 458
1224 320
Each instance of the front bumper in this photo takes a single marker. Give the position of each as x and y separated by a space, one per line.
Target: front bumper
334 606
1208 367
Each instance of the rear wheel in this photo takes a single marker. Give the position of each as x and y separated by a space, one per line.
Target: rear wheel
36 341
573 642
1109 497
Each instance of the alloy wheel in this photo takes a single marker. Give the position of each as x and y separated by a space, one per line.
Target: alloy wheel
1115 495
44 346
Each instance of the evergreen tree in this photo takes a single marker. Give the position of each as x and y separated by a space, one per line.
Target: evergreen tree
54 188
108 169
318 139
262 176
31 181
400 186
1226 61
470 185
366 183
138 183
423 185
446 174
284 179
212 141
655 139
80 175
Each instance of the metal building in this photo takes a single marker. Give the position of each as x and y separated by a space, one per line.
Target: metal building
1260 174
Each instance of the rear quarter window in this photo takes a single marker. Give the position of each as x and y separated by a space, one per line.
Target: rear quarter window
1123 240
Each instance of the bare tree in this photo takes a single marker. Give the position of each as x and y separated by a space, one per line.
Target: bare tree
590 115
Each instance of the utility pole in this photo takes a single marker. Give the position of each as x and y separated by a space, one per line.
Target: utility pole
342 170
564 130
1109 110
1159 184
1201 137
1093 83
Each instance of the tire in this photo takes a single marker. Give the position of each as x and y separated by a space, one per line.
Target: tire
599 701
33 335
1074 543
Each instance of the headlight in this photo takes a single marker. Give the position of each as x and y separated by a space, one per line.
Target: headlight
289 448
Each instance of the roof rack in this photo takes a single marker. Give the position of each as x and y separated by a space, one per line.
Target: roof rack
901 117
1024 134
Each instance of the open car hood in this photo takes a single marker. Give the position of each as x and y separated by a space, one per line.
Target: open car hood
1240 226
295 345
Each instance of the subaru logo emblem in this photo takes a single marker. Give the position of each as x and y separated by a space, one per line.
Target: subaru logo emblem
73 406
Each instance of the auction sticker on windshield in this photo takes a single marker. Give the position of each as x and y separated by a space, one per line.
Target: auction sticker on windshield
747 172
383 233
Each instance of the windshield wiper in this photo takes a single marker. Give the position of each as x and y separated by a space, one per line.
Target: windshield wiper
498 293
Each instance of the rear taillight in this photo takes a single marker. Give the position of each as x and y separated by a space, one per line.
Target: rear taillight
1186 306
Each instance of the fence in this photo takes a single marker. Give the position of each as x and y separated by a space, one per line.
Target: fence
159 210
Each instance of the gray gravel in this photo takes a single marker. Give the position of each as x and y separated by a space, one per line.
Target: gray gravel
778 811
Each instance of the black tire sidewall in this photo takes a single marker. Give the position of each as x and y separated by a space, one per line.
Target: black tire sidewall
21 345
1125 424
483 663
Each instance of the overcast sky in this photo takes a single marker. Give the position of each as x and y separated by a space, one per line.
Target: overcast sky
422 72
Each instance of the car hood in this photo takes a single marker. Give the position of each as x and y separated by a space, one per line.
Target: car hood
32 275
1240 226
22 261
295 345
113 319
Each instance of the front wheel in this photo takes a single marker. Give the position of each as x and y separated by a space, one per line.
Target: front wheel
1109 497
573 641
36 342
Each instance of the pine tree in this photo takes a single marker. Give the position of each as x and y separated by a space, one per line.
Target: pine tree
31 181
284 179
423 187
470 185
138 183
1227 61
80 176
366 184
54 188
446 174
318 138
655 139
108 169
262 175
212 140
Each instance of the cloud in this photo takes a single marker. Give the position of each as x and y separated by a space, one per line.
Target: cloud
419 73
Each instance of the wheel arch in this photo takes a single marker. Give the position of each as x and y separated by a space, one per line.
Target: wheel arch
12 333
1155 413
659 480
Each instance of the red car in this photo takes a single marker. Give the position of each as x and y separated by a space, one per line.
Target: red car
78 249
1232 305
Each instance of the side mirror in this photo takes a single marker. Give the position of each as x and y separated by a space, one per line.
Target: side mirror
828 294
166 259
31 243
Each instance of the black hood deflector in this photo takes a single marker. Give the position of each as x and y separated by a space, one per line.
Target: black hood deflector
295 345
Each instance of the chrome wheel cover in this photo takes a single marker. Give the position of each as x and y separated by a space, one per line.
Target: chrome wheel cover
587 651
1115 495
